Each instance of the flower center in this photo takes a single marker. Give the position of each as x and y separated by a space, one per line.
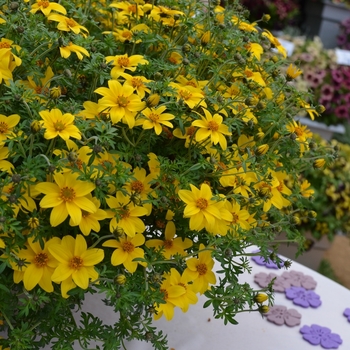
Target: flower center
4 45
234 218
185 94
191 83
44 3
125 213
127 35
213 125
202 269
128 247
137 186
280 187
76 263
132 8
190 131
84 214
123 61
201 203
136 82
298 131
166 295
40 260
122 101
67 194
3 128
70 22
168 244
248 73
59 125
154 117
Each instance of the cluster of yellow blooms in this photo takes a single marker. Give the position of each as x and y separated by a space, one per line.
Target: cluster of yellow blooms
178 145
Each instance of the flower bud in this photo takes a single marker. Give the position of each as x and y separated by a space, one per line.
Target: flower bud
152 100
262 149
264 309
120 279
35 126
312 214
55 92
205 38
265 18
320 109
296 220
319 163
260 298
186 47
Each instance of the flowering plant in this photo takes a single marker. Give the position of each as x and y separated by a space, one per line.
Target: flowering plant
331 196
139 143
328 81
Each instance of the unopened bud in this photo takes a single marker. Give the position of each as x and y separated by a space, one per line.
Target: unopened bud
152 100
35 126
260 298
261 150
120 279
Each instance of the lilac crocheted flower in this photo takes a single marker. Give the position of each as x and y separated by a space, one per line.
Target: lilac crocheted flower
280 315
346 313
279 285
303 297
317 335
270 264
298 279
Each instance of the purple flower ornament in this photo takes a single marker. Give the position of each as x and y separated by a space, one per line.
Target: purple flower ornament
280 315
317 335
270 264
346 313
303 297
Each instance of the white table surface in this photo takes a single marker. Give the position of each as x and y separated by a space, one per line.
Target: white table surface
197 329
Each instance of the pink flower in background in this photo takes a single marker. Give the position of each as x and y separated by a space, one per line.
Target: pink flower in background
327 92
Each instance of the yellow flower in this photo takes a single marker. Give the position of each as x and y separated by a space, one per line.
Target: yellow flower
127 249
176 292
58 124
156 118
5 165
249 74
202 210
46 7
239 216
2 243
262 149
129 9
275 43
78 50
67 196
127 35
255 49
170 245
43 86
302 134
293 72
76 263
175 58
66 24
248 27
199 270
190 95
120 101
41 264
305 191
122 62
188 135
6 125
90 221
126 215
141 186
137 83
212 126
